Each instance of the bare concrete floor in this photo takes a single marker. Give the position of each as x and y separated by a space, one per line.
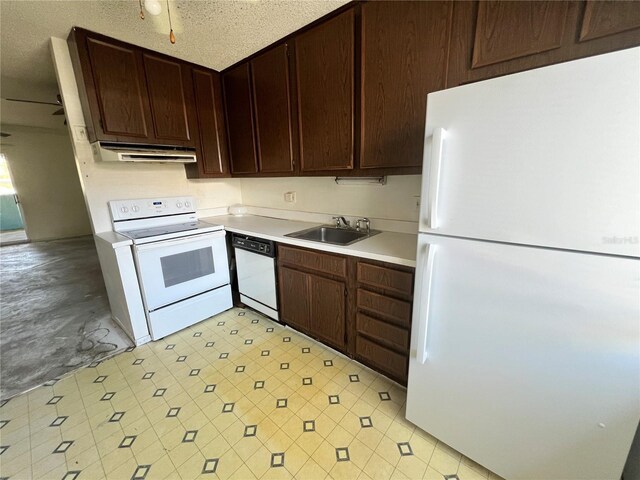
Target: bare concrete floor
54 312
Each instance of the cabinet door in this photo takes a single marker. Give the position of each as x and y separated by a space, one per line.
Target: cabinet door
325 81
238 111
294 298
168 99
508 30
212 145
272 107
605 17
327 309
404 58
491 39
120 92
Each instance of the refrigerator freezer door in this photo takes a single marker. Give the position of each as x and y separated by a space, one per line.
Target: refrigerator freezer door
546 157
531 359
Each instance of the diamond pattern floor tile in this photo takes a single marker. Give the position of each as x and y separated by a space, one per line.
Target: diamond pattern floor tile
235 396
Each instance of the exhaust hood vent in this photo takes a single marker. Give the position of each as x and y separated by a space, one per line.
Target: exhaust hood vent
128 152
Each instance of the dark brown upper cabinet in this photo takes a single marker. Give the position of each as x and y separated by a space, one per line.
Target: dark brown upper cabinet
258 111
508 30
494 38
324 59
272 107
113 88
604 18
170 99
132 95
239 115
213 157
403 58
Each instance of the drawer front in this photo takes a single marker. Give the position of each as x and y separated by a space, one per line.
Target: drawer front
382 331
393 281
318 261
386 360
394 310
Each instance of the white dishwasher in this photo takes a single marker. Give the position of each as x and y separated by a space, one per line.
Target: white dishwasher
256 268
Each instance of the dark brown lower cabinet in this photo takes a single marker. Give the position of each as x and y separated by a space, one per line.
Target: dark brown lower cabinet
383 317
328 309
294 298
313 304
360 307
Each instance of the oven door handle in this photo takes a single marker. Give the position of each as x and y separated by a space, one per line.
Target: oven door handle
181 240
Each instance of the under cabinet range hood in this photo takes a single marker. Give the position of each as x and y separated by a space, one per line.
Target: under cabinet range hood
128 152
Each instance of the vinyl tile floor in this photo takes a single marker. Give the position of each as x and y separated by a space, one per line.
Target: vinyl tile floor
236 396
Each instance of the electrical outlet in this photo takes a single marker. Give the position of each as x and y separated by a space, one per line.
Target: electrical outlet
290 197
80 133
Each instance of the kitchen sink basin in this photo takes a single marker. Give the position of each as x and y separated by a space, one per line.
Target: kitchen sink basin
333 235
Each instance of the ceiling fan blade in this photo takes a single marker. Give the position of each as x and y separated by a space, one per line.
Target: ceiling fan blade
60 111
31 101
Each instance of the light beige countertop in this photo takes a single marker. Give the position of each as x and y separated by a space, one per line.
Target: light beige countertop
114 239
391 247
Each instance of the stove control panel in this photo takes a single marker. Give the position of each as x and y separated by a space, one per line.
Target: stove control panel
253 244
150 207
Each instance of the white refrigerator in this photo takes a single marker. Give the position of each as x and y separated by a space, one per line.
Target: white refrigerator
525 351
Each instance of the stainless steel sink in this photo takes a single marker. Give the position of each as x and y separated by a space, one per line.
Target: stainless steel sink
333 235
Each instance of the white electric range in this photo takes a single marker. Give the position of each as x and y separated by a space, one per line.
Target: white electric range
181 262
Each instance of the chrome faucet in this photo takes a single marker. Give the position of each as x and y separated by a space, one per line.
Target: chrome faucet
342 222
363 222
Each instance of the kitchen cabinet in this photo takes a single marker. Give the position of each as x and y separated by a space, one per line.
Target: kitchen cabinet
324 64
130 94
403 58
212 153
258 109
170 98
312 290
294 298
361 307
327 309
490 39
272 107
239 119
383 317
113 88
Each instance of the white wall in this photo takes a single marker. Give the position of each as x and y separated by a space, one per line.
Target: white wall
102 182
45 177
397 200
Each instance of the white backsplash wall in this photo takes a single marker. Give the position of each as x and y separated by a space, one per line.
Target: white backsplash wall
102 181
397 200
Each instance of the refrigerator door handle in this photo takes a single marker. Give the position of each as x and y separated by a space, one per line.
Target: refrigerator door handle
437 144
425 295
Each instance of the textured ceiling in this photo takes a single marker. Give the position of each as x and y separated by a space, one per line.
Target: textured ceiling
213 33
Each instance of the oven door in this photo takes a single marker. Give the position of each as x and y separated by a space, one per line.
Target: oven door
172 270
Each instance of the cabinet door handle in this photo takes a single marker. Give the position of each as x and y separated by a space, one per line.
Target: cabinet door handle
425 305
437 145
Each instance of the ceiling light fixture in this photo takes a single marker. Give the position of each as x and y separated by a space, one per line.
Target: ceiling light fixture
153 7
